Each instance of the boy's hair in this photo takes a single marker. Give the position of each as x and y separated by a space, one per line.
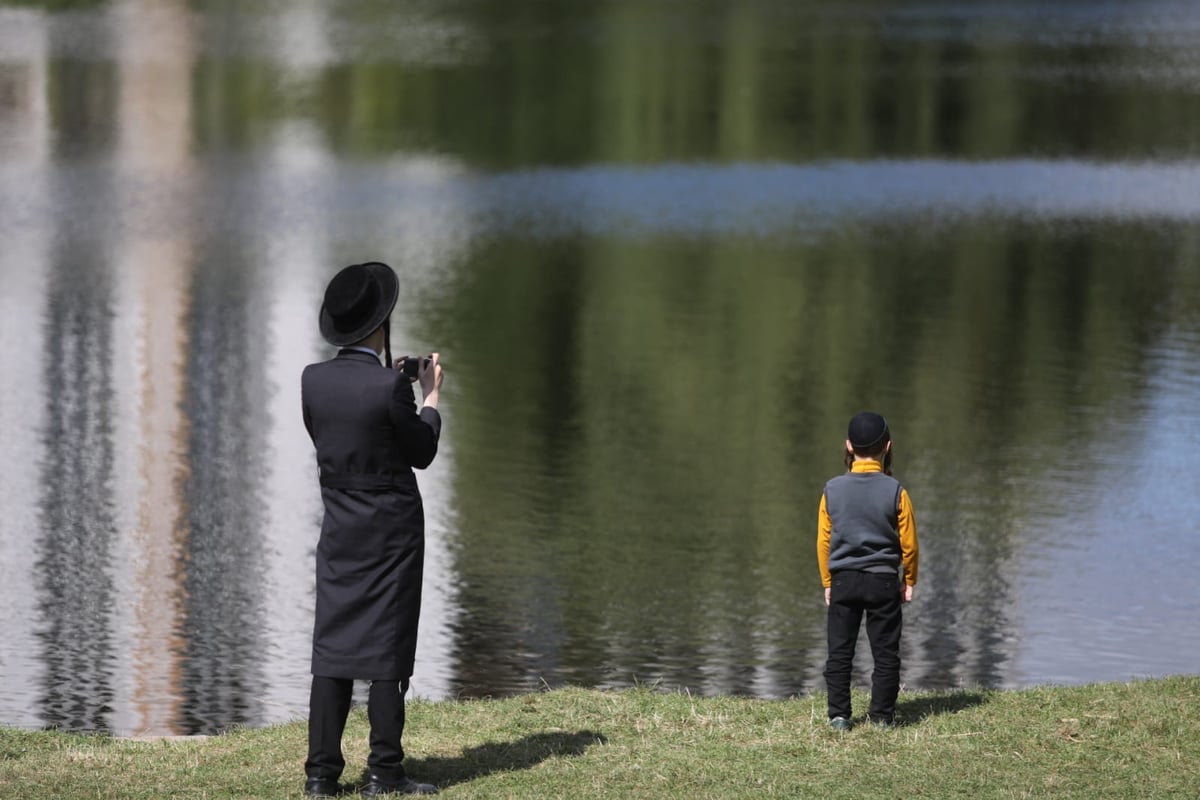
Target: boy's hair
871 452
848 457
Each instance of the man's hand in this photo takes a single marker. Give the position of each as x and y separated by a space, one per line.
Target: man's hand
906 593
430 378
826 595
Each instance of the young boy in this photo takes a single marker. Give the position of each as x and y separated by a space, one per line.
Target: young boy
867 553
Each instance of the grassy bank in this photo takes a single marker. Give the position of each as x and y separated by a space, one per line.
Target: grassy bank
1111 740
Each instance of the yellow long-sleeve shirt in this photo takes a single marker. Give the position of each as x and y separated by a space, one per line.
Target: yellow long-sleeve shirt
905 523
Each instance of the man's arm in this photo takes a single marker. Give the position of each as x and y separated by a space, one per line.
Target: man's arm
418 431
304 404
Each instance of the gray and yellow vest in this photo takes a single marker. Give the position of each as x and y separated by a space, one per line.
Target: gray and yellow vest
863 508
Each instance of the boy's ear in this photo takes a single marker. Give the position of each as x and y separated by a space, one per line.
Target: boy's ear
888 447
849 446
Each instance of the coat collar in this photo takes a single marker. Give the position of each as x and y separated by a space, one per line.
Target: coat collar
359 355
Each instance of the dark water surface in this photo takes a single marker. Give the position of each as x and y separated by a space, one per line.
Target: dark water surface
667 249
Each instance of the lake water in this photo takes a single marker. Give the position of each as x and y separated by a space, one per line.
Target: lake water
667 249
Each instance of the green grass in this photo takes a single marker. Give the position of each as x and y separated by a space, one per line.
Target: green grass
1138 739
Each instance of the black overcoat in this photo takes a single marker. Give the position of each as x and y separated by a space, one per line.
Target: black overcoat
369 436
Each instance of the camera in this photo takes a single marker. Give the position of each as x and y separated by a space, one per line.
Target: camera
411 365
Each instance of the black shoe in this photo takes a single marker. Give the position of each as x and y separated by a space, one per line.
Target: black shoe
378 787
323 787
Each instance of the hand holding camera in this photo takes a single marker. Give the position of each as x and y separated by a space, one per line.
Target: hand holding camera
425 369
411 365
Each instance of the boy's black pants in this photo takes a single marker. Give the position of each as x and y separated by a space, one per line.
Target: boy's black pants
877 594
328 707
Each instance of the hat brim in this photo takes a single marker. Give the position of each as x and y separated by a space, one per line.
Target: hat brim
389 293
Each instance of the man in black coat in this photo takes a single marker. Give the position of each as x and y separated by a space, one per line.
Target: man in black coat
369 436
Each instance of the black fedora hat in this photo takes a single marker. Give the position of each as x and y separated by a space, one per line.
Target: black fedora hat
357 301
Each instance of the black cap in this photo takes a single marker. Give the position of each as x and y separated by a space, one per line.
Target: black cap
868 431
357 301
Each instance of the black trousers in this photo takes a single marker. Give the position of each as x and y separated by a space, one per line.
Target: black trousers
328 707
853 594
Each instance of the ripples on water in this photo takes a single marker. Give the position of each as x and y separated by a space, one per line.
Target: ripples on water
657 325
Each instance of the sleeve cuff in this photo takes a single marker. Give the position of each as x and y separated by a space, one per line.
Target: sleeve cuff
432 418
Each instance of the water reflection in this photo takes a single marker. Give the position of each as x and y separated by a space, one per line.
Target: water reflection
149 353
674 477
1151 493
222 621
24 137
78 517
77 522
667 248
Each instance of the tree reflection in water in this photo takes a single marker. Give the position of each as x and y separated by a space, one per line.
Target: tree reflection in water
78 525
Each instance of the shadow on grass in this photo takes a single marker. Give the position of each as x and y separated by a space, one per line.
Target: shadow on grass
912 711
523 753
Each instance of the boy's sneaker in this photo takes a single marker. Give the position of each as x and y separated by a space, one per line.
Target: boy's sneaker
839 724
883 723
